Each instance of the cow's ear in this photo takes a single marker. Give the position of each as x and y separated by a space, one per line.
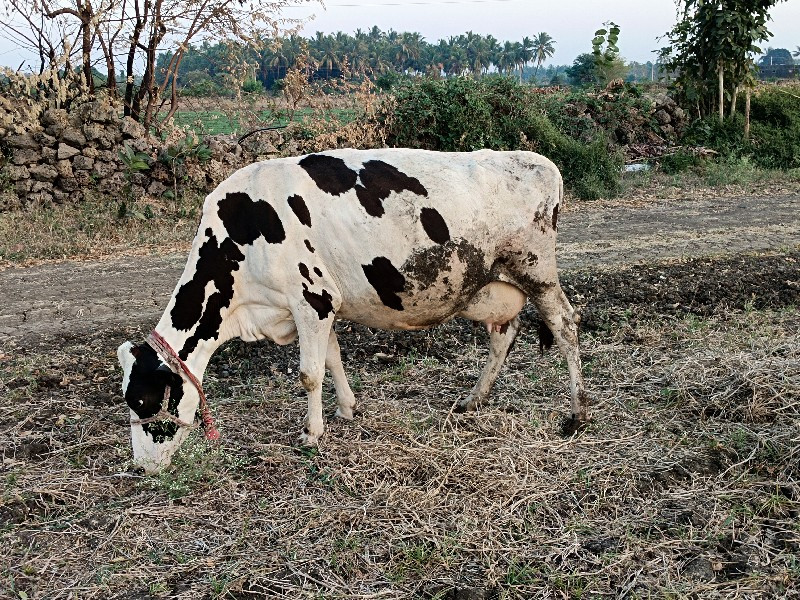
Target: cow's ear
136 351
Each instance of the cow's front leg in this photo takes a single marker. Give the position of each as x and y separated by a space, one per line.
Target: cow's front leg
344 395
313 340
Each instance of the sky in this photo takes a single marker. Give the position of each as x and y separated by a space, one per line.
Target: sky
571 23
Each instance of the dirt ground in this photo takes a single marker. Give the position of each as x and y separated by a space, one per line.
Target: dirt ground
686 484
74 297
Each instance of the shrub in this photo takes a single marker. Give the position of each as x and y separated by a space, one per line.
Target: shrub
252 86
672 164
461 114
774 134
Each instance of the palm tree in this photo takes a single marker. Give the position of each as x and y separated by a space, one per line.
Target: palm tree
526 54
479 53
327 55
543 48
456 60
506 58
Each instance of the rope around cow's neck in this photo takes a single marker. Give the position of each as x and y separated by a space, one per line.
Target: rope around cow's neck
171 358
164 415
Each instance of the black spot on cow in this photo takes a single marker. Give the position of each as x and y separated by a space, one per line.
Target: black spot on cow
318 272
215 263
319 302
145 392
387 281
331 174
309 246
426 266
304 272
434 225
208 327
379 179
299 208
555 217
246 221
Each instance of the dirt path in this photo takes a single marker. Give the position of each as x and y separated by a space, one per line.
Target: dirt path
76 296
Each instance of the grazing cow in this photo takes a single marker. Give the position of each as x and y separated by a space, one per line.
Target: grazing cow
393 239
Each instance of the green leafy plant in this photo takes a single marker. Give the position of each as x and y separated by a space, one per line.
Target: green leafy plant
134 162
462 114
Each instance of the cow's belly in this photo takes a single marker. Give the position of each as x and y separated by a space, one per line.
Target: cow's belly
427 288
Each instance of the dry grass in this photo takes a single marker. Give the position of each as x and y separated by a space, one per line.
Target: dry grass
93 229
712 181
685 485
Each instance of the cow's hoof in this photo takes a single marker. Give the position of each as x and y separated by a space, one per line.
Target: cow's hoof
573 425
308 439
346 413
467 405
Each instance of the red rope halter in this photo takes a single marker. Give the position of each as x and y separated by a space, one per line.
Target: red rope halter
171 358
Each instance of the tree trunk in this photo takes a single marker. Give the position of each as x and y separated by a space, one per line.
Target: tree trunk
721 74
747 114
733 100
111 73
85 12
141 19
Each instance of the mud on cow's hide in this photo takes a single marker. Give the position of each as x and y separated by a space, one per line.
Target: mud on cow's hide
393 238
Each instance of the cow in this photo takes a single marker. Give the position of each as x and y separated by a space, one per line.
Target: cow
392 238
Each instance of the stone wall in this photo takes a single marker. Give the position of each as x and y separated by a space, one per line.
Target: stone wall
55 156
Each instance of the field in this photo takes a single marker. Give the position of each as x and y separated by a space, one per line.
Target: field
685 485
214 116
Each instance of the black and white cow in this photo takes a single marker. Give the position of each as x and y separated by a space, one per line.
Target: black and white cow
392 238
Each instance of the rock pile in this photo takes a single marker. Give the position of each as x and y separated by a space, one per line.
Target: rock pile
56 156
670 117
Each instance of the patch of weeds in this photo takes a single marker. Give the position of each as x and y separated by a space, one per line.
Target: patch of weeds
519 573
732 170
196 464
775 504
356 383
158 589
669 395
415 559
88 228
343 559
572 586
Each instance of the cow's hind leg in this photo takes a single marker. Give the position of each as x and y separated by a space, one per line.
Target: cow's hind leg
562 321
313 338
344 395
500 344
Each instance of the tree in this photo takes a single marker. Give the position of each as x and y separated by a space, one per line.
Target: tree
711 50
543 48
136 31
583 70
608 64
776 56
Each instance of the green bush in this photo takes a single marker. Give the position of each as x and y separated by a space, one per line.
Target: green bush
774 132
776 147
461 115
672 164
252 86
775 106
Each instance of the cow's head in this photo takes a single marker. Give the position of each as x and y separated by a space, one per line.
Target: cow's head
144 382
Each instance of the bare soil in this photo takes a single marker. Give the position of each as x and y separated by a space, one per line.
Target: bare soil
686 484
76 297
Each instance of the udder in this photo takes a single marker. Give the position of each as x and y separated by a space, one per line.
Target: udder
495 305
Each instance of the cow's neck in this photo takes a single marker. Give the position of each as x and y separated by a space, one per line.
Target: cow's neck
197 359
